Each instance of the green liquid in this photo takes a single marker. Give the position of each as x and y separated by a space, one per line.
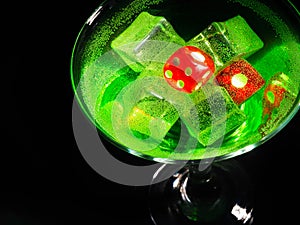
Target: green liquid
276 24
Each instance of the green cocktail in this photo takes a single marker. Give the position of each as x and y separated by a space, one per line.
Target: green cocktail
119 78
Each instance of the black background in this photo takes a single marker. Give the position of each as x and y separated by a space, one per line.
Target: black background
43 177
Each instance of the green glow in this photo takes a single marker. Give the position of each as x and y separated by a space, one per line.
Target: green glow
101 83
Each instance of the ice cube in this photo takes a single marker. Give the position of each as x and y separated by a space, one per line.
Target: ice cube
110 84
226 41
100 74
152 117
147 37
143 112
213 114
153 69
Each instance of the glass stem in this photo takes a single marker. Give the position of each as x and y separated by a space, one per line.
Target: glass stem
199 192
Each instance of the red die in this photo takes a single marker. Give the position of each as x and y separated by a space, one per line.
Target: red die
273 96
275 92
241 80
188 69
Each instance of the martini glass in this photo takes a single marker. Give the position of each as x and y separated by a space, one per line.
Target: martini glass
130 104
